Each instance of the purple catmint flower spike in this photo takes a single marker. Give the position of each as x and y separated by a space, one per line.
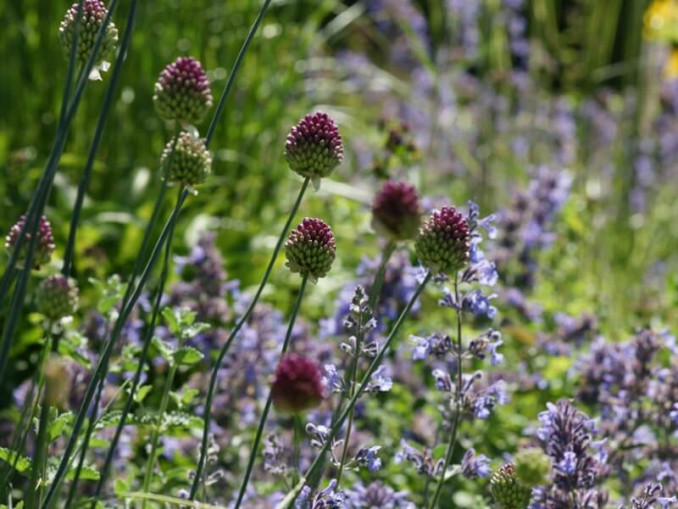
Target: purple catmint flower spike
444 242
191 162
57 297
396 211
93 14
314 147
310 249
44 246
297 385
182 92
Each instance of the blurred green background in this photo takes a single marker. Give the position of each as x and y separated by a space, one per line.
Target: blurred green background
342 57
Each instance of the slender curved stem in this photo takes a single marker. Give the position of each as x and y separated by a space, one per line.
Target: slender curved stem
94 147
375 291
336 426
269 400
227 345
234 72
39 199
108 349
164 401
457 416
34 491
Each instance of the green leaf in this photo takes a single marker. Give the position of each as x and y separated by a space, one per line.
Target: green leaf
23 464
142 392
88 473
173 319
165 350
120 486
58 424
187 356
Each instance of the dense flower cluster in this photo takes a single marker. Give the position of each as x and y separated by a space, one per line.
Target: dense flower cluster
444 242
396 211
44 245
297 384
314 147
186 160
57 297
182 92
310 249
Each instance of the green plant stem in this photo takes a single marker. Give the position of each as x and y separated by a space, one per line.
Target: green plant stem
94 148
108 349
336 426
34 492
269 400
457 416
373 301
39 199
227 345
164 401
298 438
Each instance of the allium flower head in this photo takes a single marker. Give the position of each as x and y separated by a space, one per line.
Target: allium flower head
310 248
191 162
507 490
44 246
297 385
182 92
396 211
93 14
444 241
314 147
57 297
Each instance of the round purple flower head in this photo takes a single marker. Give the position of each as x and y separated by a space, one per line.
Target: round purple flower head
297 385
314 147
44 246
191 162
93 14
444 242
508 491
57 297
396 212
310 249
182 92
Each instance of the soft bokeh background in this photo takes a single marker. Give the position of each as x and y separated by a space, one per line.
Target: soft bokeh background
469 99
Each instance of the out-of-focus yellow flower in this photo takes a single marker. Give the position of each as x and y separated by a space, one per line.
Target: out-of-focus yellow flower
661 20
671 68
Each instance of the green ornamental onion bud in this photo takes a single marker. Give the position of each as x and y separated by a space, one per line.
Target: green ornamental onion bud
508 491
310 249
57 297
92 18
182 92
314 147
444 241
191 162
44 246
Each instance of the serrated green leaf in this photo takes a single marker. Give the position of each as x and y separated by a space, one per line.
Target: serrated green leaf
87 473
23 464
141 393
187 356
165 350
173 319
58 424
120 486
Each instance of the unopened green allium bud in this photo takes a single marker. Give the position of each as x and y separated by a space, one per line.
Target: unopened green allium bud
44 245
57 297
182 92
532 466
190 163
444 242
508 491
93 14
310 248
314 147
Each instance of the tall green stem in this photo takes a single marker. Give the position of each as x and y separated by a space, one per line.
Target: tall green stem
34 491
338 423
108 349
457 397
269 400
227 345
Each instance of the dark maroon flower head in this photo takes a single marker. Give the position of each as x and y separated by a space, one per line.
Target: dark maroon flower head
57 297
310 248
396 211
182 92
93 14
444 242
44 246
314 146
297 385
